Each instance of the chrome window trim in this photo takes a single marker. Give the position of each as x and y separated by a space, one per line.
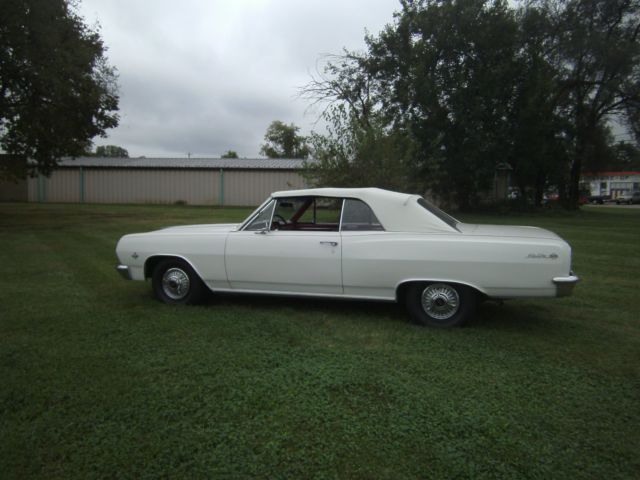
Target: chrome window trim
258 211
341 215
273 211
253 214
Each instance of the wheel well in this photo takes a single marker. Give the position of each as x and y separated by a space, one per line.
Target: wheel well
150 264
401 290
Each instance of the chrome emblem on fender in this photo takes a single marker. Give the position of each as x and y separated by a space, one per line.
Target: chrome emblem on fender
551 256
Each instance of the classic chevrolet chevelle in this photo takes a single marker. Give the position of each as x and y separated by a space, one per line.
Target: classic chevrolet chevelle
362 243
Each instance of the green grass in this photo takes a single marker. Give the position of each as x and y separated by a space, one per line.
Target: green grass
98 380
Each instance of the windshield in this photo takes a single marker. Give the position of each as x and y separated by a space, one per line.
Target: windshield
445 217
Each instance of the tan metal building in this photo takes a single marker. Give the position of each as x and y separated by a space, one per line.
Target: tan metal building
193 181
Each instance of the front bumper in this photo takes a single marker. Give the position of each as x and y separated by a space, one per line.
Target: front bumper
564 285
124 271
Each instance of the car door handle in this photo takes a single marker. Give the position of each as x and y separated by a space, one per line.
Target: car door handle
333 244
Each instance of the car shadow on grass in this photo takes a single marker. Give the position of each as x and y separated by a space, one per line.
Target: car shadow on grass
360 308
530 316
514 315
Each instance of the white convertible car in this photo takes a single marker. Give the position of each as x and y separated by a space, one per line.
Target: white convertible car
360 243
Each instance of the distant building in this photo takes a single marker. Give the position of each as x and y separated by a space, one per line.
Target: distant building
193 181
612 183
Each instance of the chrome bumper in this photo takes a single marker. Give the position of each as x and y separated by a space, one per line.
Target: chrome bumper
124 271
565 285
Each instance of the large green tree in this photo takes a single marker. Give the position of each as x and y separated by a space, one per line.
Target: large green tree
283 141
447 71
360 151
360 147
595 48
473 85
57 91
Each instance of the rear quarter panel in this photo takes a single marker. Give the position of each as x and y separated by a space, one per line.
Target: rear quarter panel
375 263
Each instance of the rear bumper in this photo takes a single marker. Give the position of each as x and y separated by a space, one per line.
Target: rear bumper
564 285
124 271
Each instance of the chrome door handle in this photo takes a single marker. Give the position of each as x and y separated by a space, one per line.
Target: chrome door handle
333 244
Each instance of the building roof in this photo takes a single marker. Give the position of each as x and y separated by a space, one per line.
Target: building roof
197 163
397 212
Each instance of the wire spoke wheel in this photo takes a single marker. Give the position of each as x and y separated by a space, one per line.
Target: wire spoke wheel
440 305
440 301
175 283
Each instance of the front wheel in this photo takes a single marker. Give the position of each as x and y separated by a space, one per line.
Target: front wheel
175 282
440 304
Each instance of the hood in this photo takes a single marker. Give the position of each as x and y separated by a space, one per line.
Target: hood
505 231
210 228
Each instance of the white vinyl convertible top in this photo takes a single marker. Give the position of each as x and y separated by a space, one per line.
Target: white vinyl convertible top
397 212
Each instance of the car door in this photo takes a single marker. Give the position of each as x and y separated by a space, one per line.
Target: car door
289 251
368 253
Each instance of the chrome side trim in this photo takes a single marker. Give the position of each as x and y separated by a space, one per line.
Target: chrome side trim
564 285
172 255
285 293
124 271
438 280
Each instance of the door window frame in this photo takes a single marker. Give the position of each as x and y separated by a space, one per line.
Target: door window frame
267 203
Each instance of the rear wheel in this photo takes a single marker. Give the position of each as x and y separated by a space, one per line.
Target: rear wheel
440 304
175 282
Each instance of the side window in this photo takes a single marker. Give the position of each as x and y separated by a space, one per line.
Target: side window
327 212
307 214
358 216
262 220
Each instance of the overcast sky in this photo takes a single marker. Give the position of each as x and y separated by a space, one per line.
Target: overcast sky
210 75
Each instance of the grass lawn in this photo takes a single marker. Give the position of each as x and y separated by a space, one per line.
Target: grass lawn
99 380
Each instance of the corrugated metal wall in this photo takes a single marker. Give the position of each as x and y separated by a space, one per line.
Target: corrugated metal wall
191 186
195 187
61 186
243 187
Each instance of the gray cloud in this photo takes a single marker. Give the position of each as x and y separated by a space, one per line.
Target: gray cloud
207 76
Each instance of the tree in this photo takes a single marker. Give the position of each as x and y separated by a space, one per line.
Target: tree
472 84
112 151
360 148
447 69
57 91
283 141
358 154
229 154
596 51
538 129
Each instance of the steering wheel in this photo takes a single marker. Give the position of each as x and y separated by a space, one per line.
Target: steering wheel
280 218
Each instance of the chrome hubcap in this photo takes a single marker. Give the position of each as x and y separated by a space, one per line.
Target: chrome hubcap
440 301
175 283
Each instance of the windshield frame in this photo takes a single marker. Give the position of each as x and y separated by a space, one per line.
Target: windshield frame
253 214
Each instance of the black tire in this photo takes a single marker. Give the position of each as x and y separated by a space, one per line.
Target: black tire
176 283
446 304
